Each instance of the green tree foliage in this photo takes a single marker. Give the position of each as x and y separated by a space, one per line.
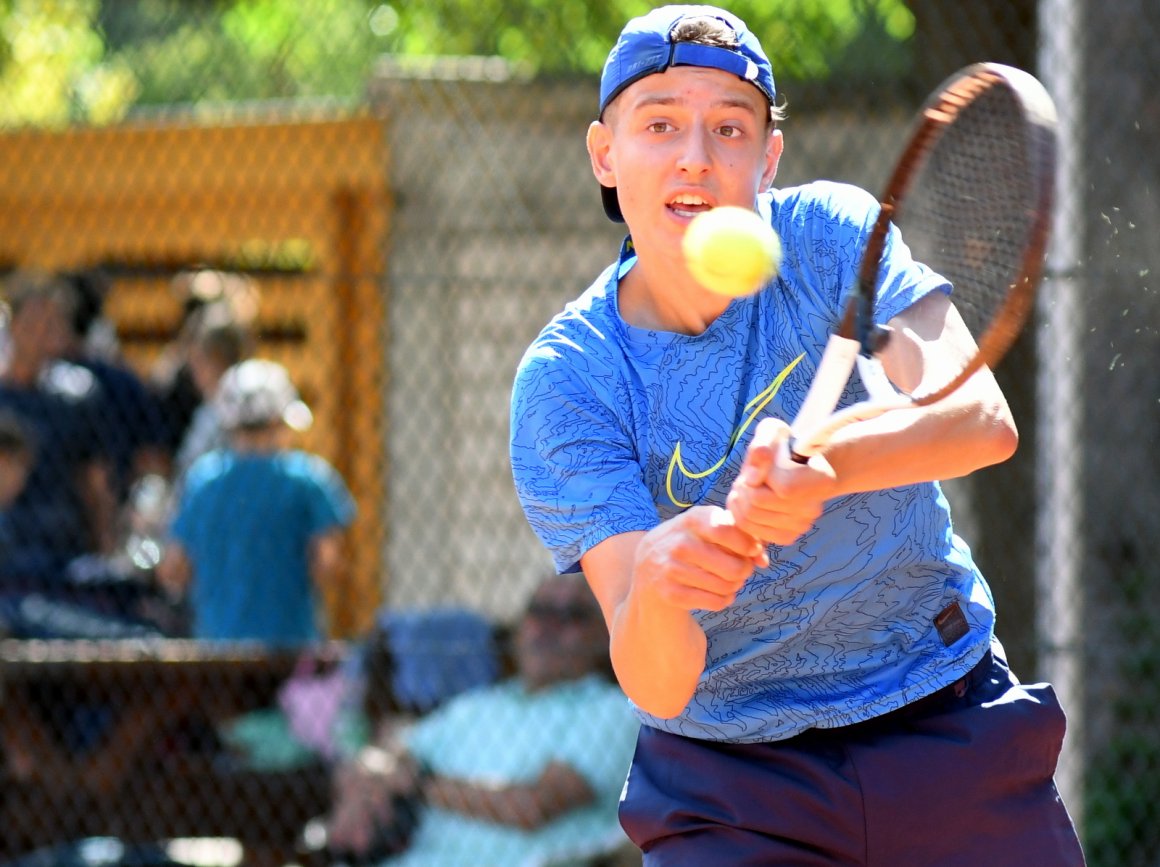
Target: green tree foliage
808 39
95 60
51 64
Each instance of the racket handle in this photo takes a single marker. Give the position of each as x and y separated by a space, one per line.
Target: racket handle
834 370
883 397
794 455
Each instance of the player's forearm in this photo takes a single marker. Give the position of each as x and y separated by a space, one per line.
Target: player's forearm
658 654
943 441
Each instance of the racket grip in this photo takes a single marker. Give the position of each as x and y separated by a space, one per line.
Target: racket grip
794 455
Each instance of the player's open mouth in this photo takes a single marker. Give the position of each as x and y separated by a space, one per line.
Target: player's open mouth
686 205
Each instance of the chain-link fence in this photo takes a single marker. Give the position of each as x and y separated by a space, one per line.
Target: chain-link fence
396 253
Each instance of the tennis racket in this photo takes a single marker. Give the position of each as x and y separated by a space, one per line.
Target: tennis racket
971 194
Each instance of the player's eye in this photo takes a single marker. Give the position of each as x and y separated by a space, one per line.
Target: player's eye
659 126
729 131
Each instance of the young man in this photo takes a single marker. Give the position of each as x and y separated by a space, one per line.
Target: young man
815 666
258 531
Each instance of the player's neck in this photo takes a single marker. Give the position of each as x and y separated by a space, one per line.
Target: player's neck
667 300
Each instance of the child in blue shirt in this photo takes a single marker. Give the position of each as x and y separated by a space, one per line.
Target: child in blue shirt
259 527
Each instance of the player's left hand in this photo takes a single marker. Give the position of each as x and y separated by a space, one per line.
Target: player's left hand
773 498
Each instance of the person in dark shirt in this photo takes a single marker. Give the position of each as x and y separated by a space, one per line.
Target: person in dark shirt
129 417
67 508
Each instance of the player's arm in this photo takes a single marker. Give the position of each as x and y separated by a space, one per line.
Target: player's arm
970 429
648 583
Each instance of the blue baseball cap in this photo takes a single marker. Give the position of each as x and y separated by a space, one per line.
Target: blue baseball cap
646 47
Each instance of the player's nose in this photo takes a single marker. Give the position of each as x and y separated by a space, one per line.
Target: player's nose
694 157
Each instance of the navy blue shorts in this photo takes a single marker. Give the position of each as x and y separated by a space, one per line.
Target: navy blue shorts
963 778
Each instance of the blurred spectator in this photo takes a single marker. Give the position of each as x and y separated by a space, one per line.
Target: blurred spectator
131 422
525 771
259 527
17 453
219 341
229 296
66 508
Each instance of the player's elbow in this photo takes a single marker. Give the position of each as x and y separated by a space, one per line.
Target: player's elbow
657 699
1006 442
1001 437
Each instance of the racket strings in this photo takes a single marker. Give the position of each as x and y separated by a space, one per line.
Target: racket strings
971 211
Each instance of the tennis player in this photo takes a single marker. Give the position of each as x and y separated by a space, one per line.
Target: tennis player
814 666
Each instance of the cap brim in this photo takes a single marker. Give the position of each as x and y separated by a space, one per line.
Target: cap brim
611 204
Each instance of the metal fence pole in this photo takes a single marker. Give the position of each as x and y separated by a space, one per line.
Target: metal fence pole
1059 540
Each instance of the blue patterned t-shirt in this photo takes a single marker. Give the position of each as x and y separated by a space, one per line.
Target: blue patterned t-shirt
617 428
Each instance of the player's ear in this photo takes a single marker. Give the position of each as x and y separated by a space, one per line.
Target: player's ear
599 152
773 146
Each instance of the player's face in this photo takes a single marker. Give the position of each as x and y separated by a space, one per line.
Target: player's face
683 141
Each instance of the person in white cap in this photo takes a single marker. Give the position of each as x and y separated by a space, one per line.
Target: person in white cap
259 526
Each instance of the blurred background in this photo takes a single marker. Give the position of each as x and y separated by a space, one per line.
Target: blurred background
390 200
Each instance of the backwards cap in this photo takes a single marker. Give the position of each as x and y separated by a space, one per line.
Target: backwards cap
645 47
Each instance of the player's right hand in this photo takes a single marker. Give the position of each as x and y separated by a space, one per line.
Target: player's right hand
773 498
696 560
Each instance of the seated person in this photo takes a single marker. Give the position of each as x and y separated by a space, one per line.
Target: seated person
259 526
59 528
526 770
66 508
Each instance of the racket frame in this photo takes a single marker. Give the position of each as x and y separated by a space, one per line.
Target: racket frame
858 341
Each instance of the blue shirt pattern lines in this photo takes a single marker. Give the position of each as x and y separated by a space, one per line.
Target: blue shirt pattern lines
616 428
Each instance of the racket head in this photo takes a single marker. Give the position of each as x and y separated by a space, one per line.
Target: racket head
972 194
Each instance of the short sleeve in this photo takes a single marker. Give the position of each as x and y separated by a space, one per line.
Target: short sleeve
830 224
901 280
330 502
575 468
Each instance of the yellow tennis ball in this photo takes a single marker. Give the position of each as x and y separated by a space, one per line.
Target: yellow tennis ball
731 251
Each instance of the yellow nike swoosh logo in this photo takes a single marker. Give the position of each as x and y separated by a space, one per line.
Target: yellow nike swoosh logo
752 410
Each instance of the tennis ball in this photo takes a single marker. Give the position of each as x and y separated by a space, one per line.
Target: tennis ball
731 251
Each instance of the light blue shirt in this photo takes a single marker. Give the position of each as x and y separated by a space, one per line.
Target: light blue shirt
616 428
503 734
